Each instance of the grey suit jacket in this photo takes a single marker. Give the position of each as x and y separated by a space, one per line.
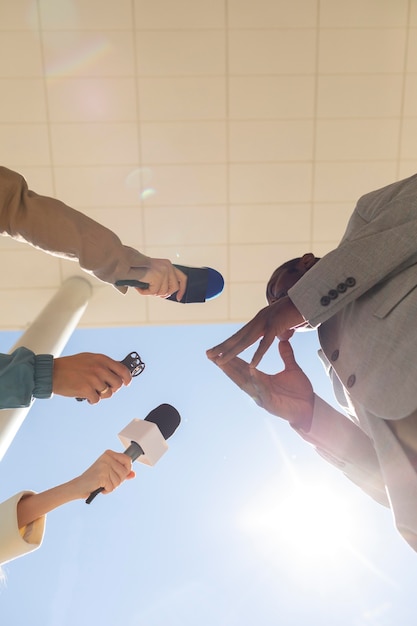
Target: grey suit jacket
362 296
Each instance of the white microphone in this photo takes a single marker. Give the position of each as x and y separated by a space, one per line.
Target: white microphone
145 440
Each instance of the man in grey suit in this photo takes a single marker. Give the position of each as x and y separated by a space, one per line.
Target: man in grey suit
362 297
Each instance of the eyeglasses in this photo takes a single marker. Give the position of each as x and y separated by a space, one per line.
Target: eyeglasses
134 363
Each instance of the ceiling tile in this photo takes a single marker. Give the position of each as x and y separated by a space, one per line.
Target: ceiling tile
182 98
186 185
102 143
362 51
271 140
270 182
183 142
91 99
153 14
22 100
88 53
266 223
85 14
356 139
200 225
283 51
272 14
181 53
20 54
370 95
363 13
271 97
24 145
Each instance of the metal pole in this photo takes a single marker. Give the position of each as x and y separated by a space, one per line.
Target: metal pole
47 334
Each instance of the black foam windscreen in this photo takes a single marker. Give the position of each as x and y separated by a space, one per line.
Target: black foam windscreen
166 417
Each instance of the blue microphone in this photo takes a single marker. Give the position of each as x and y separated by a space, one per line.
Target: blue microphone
203 283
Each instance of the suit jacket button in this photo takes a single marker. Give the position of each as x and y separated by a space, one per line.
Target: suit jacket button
351 380
350 282
333 294
341 287
335 355
324 300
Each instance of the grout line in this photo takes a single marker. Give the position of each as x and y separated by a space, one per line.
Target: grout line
403 91
142 204
227 155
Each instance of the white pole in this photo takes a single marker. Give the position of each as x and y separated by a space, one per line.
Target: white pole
47 334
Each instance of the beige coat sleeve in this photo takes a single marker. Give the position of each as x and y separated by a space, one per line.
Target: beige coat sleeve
52 226
15 542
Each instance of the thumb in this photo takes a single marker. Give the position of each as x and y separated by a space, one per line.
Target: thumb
287 354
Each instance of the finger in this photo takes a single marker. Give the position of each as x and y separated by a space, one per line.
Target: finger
238 371
182 283
263 347
158 284
247 378
287 355
143 292
121 458
92 396
121 371
110 375
166 287
98 390
119 466
258 386
238 342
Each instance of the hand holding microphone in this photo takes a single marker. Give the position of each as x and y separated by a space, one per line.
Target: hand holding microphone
134 364
146 439
203 283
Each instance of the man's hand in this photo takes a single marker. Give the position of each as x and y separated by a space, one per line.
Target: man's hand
276 320
90 376
288 394
163 279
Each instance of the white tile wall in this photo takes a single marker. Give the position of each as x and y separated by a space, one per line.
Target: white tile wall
231 133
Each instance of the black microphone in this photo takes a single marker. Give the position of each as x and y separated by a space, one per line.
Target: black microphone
147 438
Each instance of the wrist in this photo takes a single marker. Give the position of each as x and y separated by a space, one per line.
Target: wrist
304 420
295 319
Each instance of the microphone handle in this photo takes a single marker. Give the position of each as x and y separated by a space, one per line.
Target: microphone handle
134 451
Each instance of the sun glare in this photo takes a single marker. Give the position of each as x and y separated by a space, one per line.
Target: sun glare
308 522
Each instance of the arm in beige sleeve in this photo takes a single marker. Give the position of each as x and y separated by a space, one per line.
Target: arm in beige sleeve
22 517
343 444
52 226
15 542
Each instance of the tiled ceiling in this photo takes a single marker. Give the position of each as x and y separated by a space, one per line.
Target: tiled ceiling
228 133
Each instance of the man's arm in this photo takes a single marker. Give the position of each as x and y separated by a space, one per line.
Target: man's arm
380 242
340 442
289 395
58 229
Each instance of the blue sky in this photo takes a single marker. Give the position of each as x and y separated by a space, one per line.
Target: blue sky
235 526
